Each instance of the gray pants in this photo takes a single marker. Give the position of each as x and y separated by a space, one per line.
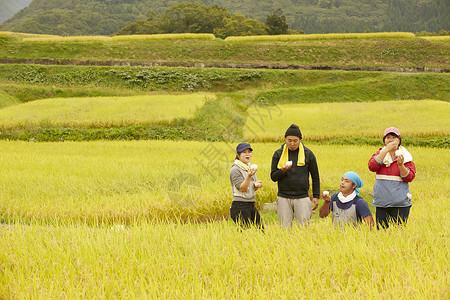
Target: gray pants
287 207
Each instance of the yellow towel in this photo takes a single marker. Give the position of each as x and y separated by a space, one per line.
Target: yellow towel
285 156
242 165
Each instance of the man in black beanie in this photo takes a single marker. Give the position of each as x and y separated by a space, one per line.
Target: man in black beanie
291 166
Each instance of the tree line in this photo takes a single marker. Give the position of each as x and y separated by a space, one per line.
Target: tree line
193 17
106 17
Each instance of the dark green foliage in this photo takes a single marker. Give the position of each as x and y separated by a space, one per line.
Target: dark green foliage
193 17
276 23
93 17
406 15
238 25
197 18
140 27
189 17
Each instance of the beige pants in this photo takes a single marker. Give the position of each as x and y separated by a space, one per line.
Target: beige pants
287 207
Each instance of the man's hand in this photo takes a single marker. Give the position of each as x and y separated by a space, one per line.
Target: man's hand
315 201
286 166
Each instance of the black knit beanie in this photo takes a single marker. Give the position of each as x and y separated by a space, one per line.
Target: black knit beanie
293 130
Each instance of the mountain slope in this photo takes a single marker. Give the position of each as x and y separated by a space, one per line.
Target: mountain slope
94 17
10 7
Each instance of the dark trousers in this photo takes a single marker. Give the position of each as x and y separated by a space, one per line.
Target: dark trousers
245 214
396 215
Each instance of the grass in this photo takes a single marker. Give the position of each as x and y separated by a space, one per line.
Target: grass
144 79
62 203
25 92
388 87
97 112
7 100
222 117
323 121
387 52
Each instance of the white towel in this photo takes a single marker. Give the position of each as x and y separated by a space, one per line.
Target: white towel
401 150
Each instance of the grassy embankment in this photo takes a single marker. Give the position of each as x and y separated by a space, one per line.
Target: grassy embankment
334 50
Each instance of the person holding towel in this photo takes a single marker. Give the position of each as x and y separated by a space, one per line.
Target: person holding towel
394 167
244 184
291 166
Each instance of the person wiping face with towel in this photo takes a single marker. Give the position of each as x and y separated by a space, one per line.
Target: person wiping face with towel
291 166
395 169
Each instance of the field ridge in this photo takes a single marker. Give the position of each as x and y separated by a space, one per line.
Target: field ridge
221 65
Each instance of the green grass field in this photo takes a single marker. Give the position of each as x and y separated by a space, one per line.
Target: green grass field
96 112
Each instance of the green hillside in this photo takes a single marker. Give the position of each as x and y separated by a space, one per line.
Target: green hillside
90 17
10 7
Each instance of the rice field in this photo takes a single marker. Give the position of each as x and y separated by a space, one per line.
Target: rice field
150 219
327 36
168 36
102 111
209 36
95 182
80 220
324 121
22 34
121 38
443 38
